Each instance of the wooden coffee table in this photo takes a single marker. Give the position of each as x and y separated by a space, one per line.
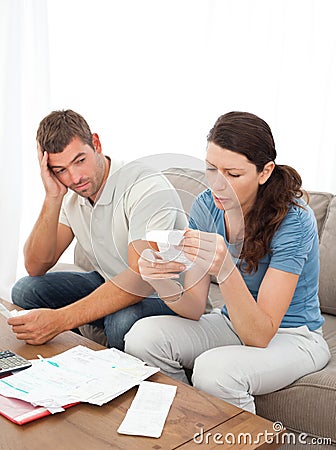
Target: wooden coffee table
89 427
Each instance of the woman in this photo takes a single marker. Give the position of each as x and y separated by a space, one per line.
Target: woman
254 232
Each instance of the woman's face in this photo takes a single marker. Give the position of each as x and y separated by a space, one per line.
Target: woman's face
233 179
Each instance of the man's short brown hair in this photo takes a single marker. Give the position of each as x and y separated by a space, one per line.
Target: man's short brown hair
59 128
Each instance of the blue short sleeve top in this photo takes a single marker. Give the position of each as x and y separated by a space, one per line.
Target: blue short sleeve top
294 248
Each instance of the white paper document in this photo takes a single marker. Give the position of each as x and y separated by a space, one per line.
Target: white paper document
77 375
14 312
166 241
149 410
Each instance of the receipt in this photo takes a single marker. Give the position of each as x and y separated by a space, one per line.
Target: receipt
166 241
149 410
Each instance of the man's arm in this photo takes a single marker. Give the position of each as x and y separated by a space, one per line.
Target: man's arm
48 239
127 288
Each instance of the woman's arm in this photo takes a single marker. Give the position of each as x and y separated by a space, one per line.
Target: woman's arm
257 322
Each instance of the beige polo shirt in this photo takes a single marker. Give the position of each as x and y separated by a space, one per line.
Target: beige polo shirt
134 200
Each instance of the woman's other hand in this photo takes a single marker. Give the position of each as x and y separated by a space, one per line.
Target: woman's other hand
208 251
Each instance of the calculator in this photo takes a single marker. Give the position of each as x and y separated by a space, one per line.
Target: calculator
10 362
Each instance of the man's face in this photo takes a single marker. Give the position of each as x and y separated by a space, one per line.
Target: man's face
79 167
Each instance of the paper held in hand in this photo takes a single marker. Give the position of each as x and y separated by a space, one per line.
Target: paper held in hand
166 241
14 312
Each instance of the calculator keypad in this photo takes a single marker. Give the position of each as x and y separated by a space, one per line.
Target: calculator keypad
10 361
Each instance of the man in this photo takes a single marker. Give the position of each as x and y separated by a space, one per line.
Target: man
108 207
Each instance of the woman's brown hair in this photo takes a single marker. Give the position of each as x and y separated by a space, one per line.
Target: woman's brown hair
251 136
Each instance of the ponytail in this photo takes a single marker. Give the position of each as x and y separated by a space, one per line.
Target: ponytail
274 198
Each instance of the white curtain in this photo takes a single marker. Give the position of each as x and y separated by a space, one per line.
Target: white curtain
152 76
24 98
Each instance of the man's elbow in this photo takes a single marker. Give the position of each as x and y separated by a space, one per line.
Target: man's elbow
35 273
36 270
36 266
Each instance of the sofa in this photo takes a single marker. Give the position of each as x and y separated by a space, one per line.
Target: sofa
309 404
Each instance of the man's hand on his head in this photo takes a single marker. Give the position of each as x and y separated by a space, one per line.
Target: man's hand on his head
53 187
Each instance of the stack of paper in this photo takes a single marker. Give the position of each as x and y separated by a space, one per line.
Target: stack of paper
77 375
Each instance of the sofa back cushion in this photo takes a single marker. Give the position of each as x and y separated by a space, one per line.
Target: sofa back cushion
327 288
319 202
188 184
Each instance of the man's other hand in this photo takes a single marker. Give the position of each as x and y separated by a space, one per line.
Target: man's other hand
37 326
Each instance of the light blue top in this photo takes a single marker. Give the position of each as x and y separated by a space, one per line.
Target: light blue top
294 249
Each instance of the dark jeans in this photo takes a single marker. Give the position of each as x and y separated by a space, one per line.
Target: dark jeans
57 289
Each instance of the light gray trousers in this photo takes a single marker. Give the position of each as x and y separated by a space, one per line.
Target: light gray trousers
221 365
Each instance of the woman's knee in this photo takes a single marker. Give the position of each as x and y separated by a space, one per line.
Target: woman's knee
143 337
219 373
214 373
204 375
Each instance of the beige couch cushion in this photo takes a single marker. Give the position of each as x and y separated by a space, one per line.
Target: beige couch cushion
319 202
188 183
308 404
327 290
